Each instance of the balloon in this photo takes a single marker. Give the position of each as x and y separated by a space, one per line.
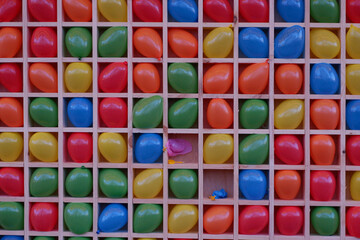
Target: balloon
113 147
182 43
10 42
146 77
9 10
148 112
324 79
44 42
253 43
183 113
325 220
353 114
147 218
11 237
183 10
44 216
113 78
148 42
43 182
290 42
289 78
217 219
253 219
148 148
219 10
218 78
11 146
11 76
182 218
352 10
352 221
78 42
113 218
79 111
80 147
253 184
324 43
78 10
254 79
43 10
44 77
113 42
352 40
219 42
11 216
289 149
183 183
325 11
148 10
12 181
79 182
113 10
353 78
78 217
44 111
113 183
44 147
325 113
287 184
148 183
254 149
113 112
291 10
289 114
183 77
355 186
289 220
218 148
11 112
353 149
322 185
253 113
219 113
254 11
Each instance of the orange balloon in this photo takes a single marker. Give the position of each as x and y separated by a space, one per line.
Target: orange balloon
44 77
183 43
322 149
148 42
254 79
219 113
325 113
217 219
78 10
219 78
10 42
11 112
289 78
146 77
287 184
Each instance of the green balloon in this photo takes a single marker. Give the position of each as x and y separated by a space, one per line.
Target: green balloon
183 113
253 113
79 182
183 77
325 220
325 11
113 183
147 218
148 112
44 112
254 149
78 217
44 238
78 41
113 42
43 182
183 183
11 216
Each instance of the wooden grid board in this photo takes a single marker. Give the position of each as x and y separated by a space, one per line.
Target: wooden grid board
206 172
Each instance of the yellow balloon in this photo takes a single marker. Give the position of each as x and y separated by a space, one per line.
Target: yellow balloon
182 218
44 147
148 183
11 146
218 148
353 42
324 43
353 79
112 147
219 42
78 77
355 186
289 114
113 10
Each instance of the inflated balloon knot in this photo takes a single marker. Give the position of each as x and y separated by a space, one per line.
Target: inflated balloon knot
98 232
83 167
159 59
230 26
164 149
267 61
125 63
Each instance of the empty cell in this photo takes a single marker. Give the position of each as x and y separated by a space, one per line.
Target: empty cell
182 148
215 180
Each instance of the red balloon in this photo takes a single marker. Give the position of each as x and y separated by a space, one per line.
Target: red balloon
289 220
11 77
219 10
113 112
44 42
353 221
80 147
44 216
113 78
353 10
148 10
253 219
43 10
322 185
289 149
9 9
12 181
353 150
254 10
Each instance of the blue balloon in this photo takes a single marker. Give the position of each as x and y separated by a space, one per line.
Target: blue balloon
290 42
291 10
8 237
80 112
353 114
113 218
324 79
253 184
183 10
148 148
254 43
